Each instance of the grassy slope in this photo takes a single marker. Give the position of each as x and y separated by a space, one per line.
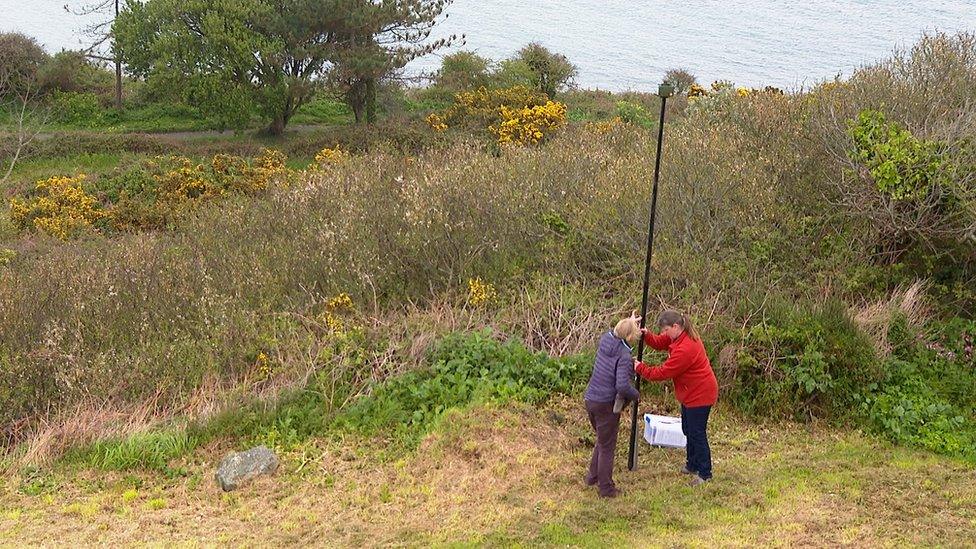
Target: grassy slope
512 475
164 118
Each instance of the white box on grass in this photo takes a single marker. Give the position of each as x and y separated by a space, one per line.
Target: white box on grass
663 431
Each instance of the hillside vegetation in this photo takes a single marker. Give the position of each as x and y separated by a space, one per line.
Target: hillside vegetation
383 315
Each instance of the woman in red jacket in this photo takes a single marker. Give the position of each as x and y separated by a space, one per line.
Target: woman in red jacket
694 385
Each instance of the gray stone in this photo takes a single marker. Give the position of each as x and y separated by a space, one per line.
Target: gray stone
238 468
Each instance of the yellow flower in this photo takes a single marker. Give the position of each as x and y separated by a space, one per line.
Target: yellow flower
529 125
341 302
436 122
334 323
61 209
480 292
329 156
262 366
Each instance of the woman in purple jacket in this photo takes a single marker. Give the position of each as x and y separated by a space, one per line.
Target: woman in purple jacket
612 375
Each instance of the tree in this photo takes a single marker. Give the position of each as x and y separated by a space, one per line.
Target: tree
463 70
72 71
378 38
514 72
21 57
681 79
101 33
551 72
231 57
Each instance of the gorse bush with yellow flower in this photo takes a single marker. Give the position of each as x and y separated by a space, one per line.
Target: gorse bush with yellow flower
480 292
604 127
529 125
727 88
60 207
329 157
147 195
435 122
514 115
482 107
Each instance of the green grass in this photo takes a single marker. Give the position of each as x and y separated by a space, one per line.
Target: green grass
151 118
163 118
812 488
32 170
154 119
324 111
151 450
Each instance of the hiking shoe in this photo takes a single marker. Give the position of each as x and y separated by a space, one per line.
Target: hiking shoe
610 494
686 471
697 480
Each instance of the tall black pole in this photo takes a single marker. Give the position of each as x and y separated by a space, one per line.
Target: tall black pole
664 91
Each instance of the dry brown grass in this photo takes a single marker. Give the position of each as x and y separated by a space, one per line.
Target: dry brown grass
875 318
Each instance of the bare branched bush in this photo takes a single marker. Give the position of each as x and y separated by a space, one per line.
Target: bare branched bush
19 99
929 92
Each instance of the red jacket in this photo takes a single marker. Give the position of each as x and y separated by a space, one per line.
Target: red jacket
687 363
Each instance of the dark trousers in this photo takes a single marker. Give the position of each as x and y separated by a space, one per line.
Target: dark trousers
694 424
606 424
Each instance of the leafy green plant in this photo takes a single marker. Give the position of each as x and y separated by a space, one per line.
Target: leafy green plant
635 114
902 166
804 360
77 109
465 368
907 410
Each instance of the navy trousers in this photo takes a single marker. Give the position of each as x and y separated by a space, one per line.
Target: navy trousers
694 424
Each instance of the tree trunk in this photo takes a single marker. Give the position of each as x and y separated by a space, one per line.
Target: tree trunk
277 126
370 100
118 83
118 68
357 109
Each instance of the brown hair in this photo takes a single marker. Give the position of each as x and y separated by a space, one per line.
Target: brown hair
670 316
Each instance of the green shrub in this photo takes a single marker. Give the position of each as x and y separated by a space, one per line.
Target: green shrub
80 109
513 72
635 114
71 71
550 72
802 361
21 58
907 410
463 70
465 368
901 165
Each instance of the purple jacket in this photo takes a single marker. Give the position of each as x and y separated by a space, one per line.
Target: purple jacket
612 372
